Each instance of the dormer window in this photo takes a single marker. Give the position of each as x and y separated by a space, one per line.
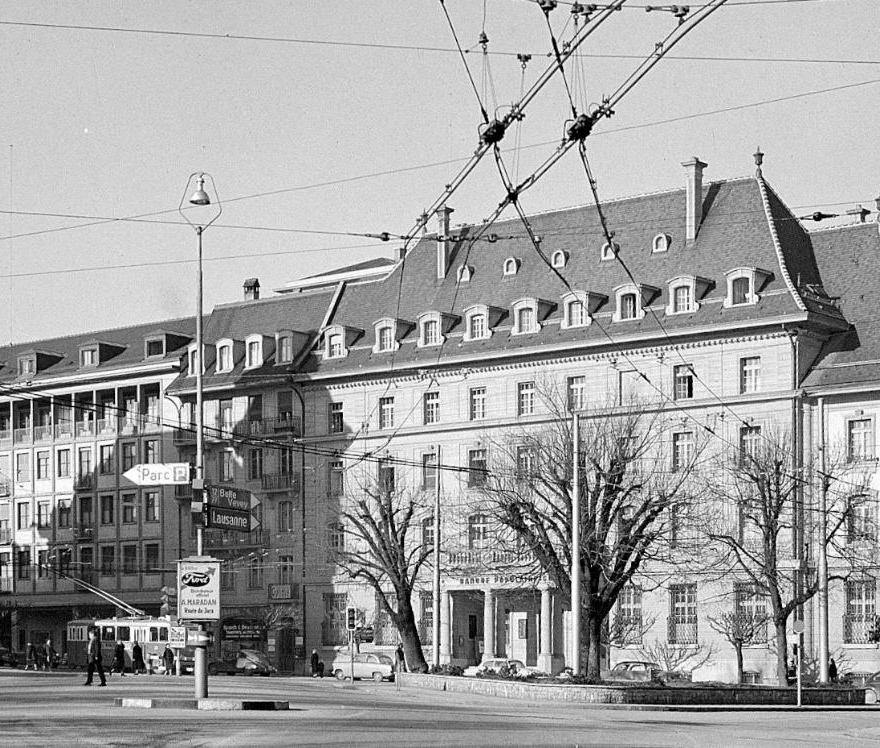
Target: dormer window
685 292
335 349
578 308
525 318
559 259
192 361
464 274
477 329
628 306
224 356
27 365
88 356
154 347
284 346
253 347
682 299
661 243
430 332
511 266
743 285
385 338
389 332
609 251
632 300
575 313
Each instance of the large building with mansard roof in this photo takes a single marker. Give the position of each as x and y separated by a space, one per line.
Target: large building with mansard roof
712 301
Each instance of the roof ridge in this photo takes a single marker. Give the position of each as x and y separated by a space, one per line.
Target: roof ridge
96 333
271 299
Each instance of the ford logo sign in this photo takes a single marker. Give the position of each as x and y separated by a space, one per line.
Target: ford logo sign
195 579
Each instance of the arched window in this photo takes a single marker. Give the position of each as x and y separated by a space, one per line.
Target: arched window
740 291
464 274
511 266
628 306
576 313
477 326
661 243
430 332
559 259
609 251
385 338
224 357
525 320
682 299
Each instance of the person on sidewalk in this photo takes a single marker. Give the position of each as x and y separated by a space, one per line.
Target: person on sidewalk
316 665
48 655
94 660
119 659
399 659
168 660
137 659
832 670
30 657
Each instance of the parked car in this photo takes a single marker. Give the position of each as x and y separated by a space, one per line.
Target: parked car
641 671
247 662
373 665
514 667
872 689
7 657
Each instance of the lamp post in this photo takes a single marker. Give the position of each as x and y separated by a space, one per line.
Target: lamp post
199 197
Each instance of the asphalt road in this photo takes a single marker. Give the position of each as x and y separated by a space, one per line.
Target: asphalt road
49 709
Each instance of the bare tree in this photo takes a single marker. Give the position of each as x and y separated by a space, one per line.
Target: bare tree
383 547
631 495
764 488
673 656
741 629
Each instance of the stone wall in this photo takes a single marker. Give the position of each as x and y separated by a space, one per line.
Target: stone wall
674 696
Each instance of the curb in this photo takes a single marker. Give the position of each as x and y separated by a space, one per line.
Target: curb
205 705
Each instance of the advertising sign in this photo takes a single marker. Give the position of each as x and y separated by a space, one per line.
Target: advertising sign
198 590
177 637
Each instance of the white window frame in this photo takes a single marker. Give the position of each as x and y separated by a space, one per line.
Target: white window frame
156 339
691 305
511 266
660 243
476 311
579 300
329 335
27 365
192 356
609 251
378 327
430 318
525 398
465 272
619 293
431 407
867 452
559 259
281 339
95 355
524 305
386 412
755 276
249 361
222 345
749 375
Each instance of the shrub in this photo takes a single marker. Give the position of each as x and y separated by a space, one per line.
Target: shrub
446 669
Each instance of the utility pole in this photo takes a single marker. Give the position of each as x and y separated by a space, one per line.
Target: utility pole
435 614
575 548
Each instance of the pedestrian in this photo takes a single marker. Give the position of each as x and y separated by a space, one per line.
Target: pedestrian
399 659
137 659
832 670
168 659
94 659
317 666
48 655
30 657
119 658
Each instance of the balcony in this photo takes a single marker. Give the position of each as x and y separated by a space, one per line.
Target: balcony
289 424
5 488
84 532
185 435
151 423
5 584
5 435
6 535
251 428
218 539
281 482
860 628
84 482
22 435
84 429
64 430
107 426
43 433
130 424
483 557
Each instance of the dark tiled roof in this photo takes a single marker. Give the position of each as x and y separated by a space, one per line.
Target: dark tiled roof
735 232
849 262
129 339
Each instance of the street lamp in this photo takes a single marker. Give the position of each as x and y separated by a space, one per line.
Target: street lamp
199 197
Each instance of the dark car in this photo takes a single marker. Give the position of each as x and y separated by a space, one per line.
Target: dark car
7 657
246 662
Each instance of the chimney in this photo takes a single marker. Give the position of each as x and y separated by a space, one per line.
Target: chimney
401 253
251 289
694 168
443 243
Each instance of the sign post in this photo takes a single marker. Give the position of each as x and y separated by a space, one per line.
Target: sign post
798 627
230 508
198 600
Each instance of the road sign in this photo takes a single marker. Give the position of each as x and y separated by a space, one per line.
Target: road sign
798 626
198 590
229 497
177 637
366 634
229 519
159 474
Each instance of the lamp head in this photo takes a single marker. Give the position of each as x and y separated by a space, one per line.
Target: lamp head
200 197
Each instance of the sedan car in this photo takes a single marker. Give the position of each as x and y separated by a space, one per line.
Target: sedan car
514 667
872 689
379 667
641 671
247 662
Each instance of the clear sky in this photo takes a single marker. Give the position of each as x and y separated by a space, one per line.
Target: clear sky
293 121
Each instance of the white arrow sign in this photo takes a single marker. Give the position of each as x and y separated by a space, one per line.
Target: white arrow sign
159 474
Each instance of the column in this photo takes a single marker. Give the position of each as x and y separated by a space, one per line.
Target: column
445 626
488 624
545 650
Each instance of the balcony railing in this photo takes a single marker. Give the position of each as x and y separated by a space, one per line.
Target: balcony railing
107 426
5 584
5 535
84 482
185 435
286 424
682 631
43 433
281 482
24 434
227 539
250 428
482 557
84 429
5 487
130 424
5 435
64 430
860 628
84 531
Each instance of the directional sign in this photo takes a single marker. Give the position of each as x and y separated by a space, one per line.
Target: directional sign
229 519
159 474
229 497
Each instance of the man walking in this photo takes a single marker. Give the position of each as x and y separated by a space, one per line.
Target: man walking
94 659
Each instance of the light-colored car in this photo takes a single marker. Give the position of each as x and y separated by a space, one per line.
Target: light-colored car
373 665
641 671
515 667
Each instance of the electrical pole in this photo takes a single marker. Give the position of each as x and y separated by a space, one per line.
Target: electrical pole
575 548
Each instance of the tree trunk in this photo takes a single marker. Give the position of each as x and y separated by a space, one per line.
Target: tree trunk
594 650
409 636
739 661
781 653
